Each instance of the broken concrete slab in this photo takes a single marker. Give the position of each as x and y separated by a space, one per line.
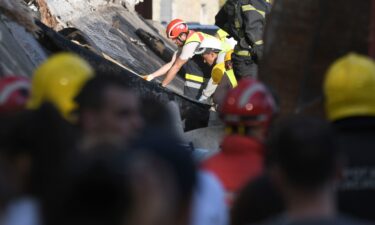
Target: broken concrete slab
20 53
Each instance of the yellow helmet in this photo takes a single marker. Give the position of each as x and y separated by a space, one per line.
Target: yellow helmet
228 55
349 87
58 80
217 72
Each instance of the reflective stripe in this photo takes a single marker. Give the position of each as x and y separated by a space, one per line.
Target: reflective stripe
194 78
222 34
249 93
237 24
192 84
260 42
242 53
231 77
249 7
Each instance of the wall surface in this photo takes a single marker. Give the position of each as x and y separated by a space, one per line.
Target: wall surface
201 11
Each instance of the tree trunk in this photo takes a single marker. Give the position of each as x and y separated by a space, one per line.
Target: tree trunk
302 38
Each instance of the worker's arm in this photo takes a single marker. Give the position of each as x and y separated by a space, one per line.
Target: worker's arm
221 90
187 52
253 25
162 70
173 71
208 91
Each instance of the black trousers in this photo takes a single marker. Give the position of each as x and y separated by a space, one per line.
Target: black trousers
244 66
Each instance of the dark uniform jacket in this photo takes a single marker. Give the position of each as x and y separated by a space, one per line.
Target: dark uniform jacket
244 20
356 192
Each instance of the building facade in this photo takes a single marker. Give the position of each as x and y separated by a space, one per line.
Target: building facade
200 11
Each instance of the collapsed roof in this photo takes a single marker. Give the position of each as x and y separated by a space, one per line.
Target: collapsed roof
104 35
110 28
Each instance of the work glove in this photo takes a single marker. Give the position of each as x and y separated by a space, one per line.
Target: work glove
161 85
148 77
203 99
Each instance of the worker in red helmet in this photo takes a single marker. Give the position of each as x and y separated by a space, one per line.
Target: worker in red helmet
197 72
14 93
247 112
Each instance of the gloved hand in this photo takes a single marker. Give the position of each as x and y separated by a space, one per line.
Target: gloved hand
148 77
161 85
203 98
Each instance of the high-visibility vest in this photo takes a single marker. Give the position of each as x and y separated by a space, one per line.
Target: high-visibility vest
194 80
195 36
218 72
232 78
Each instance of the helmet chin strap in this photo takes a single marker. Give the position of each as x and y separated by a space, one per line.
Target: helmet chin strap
179 38
182 41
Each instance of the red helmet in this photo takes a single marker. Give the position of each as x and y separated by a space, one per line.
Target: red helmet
249 104
176 27
14 92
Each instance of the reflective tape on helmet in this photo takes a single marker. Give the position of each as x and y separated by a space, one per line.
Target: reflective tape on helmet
249 7
244 99
194 78
249 93
192 84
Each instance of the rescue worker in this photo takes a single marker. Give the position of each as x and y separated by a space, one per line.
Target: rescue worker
247 112
58 80
226 82
212 54
14 92
349 88
244 20
227 41
197 72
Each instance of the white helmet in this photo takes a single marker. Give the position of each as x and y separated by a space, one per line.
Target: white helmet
209 44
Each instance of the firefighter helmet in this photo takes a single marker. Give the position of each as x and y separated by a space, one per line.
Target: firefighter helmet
209 44
175 28
58 80
349 87
249 104
14 92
